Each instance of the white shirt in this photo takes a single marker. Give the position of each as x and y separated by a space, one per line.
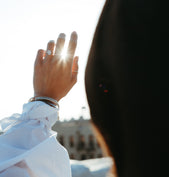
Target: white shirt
29 148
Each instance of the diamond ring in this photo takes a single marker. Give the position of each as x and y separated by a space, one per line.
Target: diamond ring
49 52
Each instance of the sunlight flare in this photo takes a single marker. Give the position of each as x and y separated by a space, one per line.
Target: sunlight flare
64 53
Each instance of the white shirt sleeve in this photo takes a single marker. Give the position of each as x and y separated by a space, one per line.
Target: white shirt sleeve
29 148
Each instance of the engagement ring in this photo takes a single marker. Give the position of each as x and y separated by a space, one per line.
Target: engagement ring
49 52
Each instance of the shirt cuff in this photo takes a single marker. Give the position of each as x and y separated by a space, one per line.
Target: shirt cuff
41 111
36 110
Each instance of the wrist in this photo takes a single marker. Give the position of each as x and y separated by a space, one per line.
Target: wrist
48 100
36 94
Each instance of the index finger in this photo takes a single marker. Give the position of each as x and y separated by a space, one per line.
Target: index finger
71 47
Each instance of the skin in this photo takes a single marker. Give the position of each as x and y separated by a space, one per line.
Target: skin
53 76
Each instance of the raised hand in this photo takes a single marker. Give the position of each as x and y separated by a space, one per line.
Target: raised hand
54 76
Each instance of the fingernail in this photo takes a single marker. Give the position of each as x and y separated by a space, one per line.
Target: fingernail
41 51
62 36
51 41
73 37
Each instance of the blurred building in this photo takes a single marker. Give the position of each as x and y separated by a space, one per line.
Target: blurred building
77 137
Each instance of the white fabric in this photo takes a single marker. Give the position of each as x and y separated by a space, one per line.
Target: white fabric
91 167
29 148
79 170
99 167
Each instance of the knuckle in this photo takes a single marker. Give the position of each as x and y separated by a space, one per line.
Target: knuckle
50 45
54 61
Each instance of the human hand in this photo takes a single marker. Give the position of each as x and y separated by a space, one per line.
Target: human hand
53 75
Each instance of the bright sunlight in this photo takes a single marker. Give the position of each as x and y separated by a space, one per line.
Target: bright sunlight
27 26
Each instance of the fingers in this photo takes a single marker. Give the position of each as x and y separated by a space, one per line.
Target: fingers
75 69
39 57
72 47
54 52
50 49
59 45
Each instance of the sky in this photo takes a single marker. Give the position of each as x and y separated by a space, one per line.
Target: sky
26 26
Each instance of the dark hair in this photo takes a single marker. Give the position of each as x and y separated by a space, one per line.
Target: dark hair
127 85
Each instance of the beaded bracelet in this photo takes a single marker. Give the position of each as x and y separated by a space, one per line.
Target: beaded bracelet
50 101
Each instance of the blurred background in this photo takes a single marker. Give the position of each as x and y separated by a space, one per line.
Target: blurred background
26 26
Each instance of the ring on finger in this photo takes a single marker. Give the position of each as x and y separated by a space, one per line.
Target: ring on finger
75 71
49 52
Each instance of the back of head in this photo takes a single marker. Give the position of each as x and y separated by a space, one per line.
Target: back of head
127 85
